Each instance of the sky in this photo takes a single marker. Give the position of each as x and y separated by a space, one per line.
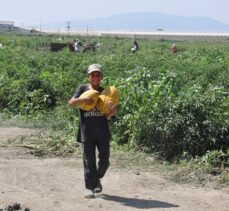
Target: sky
27 13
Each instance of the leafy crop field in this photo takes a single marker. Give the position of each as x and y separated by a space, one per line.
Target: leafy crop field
171 104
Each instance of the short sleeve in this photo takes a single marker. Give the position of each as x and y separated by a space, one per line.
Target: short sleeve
79 91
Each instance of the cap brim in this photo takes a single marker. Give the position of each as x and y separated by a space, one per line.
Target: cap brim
95 70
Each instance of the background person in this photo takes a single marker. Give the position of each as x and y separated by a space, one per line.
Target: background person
135 48
76 45
173 49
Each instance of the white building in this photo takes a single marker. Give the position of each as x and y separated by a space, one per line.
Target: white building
6 25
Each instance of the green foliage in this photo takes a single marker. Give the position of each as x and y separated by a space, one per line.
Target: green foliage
170 104
216 158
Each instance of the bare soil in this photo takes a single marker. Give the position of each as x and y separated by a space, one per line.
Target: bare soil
57 184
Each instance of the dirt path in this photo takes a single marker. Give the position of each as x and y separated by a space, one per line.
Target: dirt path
57 184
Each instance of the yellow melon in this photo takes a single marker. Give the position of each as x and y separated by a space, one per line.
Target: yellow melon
108 95
90 93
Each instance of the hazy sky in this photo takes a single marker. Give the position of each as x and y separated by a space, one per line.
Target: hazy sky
38 12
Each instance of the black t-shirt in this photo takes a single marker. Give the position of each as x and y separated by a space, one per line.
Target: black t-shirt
93 124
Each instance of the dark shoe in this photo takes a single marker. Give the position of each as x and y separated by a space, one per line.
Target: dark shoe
99 187
89 193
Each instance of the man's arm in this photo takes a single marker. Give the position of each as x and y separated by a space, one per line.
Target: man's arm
77 101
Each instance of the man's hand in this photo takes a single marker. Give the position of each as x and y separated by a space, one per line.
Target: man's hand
111 105
113 110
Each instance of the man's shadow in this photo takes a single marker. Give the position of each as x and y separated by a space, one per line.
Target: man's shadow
137 203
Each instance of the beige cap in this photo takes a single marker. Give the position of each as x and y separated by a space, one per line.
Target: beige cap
95 67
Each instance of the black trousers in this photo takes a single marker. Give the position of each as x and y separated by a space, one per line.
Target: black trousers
92 171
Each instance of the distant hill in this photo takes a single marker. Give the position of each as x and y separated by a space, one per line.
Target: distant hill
146 21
